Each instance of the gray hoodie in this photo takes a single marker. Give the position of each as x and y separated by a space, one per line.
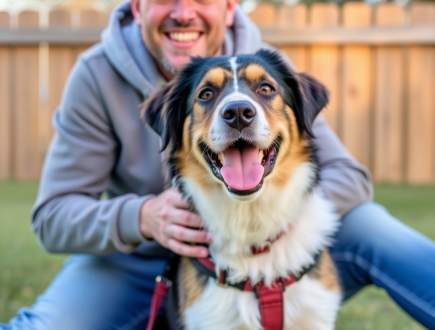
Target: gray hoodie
102 146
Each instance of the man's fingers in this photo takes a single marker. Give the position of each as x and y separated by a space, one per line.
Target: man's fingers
186 218
177 200
187 250
184 234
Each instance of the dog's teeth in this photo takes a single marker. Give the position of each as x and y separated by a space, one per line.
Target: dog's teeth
260 156
220 158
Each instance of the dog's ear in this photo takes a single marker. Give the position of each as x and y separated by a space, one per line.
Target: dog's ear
167 109
165 112
153 112
305 95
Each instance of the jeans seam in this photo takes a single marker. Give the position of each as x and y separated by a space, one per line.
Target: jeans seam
375 272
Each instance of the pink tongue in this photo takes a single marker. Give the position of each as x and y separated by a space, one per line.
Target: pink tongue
242 169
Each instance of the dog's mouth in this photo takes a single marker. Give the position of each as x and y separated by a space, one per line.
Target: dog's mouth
242 166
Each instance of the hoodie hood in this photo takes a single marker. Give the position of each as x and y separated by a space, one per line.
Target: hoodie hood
124 47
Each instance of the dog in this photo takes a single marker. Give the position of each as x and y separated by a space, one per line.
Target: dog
238 136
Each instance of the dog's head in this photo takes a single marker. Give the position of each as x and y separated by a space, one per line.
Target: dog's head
237 123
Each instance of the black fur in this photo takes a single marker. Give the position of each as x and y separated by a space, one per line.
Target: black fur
166 111
305 95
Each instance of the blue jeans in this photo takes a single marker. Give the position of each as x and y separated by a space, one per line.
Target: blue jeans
114 292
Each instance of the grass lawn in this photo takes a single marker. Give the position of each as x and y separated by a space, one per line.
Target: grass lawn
26 270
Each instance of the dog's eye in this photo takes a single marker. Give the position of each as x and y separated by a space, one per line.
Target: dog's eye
266 89
206 94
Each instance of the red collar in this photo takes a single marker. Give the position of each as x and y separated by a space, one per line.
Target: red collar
266 245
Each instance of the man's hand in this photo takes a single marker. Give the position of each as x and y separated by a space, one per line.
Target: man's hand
165 218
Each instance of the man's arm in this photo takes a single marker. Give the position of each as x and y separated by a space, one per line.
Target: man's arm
344 181
69 216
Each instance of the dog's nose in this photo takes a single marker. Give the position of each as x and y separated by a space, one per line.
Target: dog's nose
239 114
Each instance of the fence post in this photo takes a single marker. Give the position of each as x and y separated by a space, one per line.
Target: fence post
421 102
324 60
294 17
5 104
389 137
25 109
357 81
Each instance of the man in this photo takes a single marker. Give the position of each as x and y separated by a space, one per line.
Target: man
101 146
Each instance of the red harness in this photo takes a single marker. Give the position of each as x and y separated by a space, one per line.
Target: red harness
270 298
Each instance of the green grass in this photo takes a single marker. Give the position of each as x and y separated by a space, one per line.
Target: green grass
27 270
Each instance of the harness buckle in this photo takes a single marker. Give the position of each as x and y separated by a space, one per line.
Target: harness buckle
163 279
282 282
222 280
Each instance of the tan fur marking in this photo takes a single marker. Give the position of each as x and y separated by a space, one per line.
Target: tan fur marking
325 272
254 72
216 76
293 151
190 161
191 283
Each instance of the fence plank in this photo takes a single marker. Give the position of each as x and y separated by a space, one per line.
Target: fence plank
5 114
60 18
28 19
292 16
26 161
297 19
356 90
423 13
93 18
421 103
4 19
324 15
324 60
389 131
264 15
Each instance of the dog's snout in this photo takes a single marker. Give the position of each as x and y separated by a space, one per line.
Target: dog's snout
239 114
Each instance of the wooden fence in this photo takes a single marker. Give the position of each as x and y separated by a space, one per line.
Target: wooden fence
378 63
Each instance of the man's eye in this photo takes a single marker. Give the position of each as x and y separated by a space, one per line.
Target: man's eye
266 89
206 94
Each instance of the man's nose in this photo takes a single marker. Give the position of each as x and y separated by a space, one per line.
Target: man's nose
184 11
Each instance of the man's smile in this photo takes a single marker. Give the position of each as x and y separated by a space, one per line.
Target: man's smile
183 36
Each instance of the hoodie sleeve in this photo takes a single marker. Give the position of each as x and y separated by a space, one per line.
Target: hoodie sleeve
69 215
344 181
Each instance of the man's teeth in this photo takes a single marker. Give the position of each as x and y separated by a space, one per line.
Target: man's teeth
184 37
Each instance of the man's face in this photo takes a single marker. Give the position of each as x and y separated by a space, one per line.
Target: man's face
175 30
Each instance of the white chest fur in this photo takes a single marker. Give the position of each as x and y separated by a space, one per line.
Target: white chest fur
310 222
308 306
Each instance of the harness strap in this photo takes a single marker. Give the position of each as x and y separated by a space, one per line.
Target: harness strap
271 306
163 283
207 267
159 295
270 298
